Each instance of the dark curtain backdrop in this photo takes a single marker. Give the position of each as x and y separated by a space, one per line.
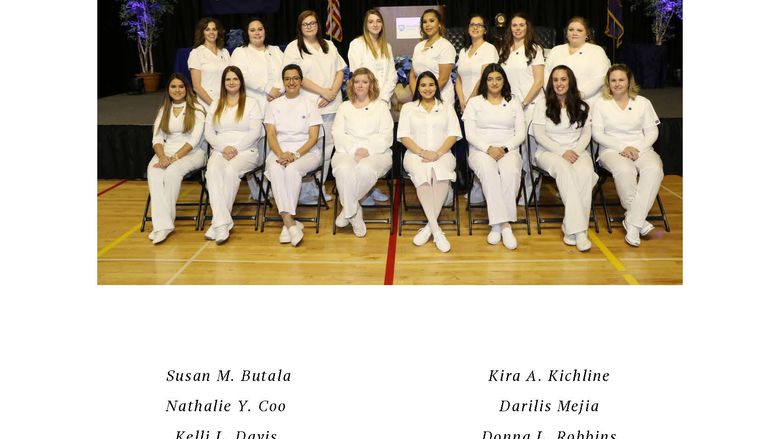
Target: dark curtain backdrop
118 59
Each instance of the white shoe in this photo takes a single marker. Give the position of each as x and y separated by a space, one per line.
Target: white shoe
568 239
632 234
161 235
441 242
358 226
341 220
326 195
368 201
422 236
450 196
582 241
646 229
494 237
211 233
151 235
378 195
475 195
508 238
296 236
222 235
284 237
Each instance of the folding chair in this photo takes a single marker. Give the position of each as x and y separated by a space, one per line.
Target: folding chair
200 175
455 207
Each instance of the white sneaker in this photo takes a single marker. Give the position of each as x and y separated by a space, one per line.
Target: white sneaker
508 238
441 242
422 236
211 233
284 237
161 235
494 237
341 220
646 229
582 241
632 234
476 196
450 196
378 195
151 235
296 235
367 201
568 239
327 196
358 226
222 235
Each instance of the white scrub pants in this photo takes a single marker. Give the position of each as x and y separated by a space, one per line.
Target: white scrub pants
636 197
286 180
164 186
355 179
575 183
223 177
500 183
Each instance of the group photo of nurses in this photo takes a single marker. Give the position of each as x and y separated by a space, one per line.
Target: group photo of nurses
281 113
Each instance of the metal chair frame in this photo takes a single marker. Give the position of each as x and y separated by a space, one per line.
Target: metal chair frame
201 173
455 207
391 200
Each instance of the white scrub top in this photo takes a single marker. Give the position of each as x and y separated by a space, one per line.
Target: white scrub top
429 130
319 67
360 55
242 134
589 64
502 124
565 134
211 67
521 74
470 69
177 138
370 127
625 126
262 70
292 119
441 52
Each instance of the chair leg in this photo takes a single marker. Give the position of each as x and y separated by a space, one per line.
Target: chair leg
534 183
401 208
265 190
335 208
663 212
146 212
456 205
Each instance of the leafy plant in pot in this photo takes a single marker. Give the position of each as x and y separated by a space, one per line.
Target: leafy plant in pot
142 21
662 12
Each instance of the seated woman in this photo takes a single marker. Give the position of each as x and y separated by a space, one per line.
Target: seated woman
428 129
294 124
495 129
562 129
363 134
178 150
624 124
233 129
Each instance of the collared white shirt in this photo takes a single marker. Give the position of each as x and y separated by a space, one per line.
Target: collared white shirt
319 67
441 52
292 119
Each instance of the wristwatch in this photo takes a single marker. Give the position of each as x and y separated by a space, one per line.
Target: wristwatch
506 150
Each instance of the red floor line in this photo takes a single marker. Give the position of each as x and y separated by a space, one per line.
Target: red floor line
390 265
112 187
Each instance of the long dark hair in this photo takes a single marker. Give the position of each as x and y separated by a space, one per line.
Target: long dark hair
531 41
576 108
426 74
201 26
246 31
190 108
506 90
299 33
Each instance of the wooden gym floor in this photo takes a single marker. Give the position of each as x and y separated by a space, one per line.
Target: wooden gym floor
126 256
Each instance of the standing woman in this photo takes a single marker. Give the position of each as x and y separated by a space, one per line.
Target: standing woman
372 51
624 124
588 61
435 54
363 132
208 60
323 73
178 150
472 60
523 60
233 129
294 124
260 63
562 129
495 129
428 128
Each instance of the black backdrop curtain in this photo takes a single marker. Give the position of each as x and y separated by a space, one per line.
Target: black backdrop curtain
118 59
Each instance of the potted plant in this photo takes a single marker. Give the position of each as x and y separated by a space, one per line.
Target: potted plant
141 20
650 60
662 12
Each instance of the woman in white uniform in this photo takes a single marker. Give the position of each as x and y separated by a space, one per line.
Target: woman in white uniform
435 54
323 73
562 128
625 125
294 126
473 59
428 128
233 129
522 57
495 129
372 51
363 133
208 60
178 150
588 61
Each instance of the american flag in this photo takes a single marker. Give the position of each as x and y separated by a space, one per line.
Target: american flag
333 24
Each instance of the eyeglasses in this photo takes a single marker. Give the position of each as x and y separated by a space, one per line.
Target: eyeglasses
292 78
309 25
476 25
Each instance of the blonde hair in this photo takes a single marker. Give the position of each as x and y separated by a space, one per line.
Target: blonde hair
373 85
382 40
633 87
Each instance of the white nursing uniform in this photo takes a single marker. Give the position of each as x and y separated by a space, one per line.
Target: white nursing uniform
470 68
501 125
370 127
575 180
636 125
291 118
211 67
262 70
164 184
589 64
223 177
428 130
441 52
360 55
